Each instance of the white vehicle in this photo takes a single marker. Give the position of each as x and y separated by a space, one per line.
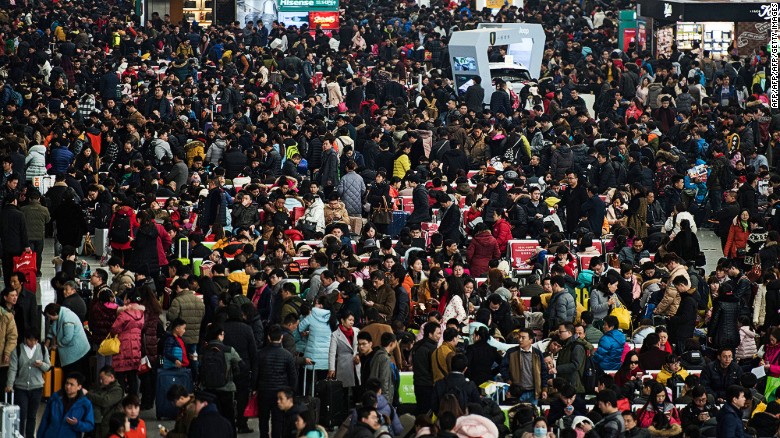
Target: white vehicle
516 75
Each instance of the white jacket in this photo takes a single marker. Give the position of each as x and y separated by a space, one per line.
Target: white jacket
316 213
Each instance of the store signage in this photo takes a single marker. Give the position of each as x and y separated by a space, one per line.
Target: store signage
495 4
325 20
667 10
308 5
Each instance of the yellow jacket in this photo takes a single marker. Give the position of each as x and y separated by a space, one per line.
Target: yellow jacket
240 277
401 165
441 361
665 374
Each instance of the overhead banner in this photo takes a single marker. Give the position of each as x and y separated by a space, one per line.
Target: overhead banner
297 18
308 5
327 20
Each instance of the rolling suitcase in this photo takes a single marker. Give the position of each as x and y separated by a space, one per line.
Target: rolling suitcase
166 378
399 221
9 419
333 402
52 379
311 402
101 242
183 251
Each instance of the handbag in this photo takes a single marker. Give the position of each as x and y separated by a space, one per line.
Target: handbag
341 107
110 346
622 314
87 249
382 215
252 408
145 366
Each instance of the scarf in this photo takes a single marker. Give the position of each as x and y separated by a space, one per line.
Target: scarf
349 333
744 225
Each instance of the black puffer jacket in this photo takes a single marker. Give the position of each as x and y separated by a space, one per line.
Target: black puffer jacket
562 160
239 335
276 369
421 361
234 162
724 325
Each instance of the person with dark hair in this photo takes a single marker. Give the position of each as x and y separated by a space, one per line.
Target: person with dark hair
23 305
723 329
68 413
523 366
611 424
13 234
610 350
209 423
441 360
382 366
36 216
482 249
455 383
699 410
568 405
67 333
26 378
571 359
186 306
179 396
562 307
276 370
720 374
730 415
367 424
594 210
343 349
422 355
651 356
483 358
128 326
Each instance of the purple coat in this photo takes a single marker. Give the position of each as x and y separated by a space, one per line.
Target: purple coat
128 325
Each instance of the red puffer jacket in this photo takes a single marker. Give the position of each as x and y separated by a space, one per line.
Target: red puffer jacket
164 242
482 249
502 231
128 325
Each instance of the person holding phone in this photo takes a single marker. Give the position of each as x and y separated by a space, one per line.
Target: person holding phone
29 362
73 422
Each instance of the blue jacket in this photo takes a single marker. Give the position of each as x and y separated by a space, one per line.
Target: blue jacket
53 424
318 342
72 342
729 422
61 158
610 350
171 352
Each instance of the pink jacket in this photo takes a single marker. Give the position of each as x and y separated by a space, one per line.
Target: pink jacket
128 325
164 242
772 357
475 426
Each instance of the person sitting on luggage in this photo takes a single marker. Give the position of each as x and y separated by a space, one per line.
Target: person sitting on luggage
106 399
25 377
131 406
179 396
73 422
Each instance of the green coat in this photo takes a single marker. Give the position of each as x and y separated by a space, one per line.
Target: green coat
37 216
571 363
105 402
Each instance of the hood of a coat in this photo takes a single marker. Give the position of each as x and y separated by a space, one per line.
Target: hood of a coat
321 315
475 426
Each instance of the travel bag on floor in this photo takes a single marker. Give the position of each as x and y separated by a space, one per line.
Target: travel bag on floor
52 379
311 402
166 378
333 402
9 418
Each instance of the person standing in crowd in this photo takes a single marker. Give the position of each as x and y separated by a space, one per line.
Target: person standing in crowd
36 216
25 378
75 420
66 335
276 370
13 234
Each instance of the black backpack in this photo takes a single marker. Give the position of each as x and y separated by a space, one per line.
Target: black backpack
213 366
120 229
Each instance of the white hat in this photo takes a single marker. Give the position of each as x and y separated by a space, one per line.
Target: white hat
579 419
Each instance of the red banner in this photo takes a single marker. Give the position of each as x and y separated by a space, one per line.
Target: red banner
327 20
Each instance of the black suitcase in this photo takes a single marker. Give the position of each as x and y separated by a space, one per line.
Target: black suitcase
333 401
311 402
166 378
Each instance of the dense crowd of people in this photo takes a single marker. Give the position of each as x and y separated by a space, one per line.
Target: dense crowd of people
286 222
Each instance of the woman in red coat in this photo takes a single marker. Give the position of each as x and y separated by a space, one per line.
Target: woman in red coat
738 234
482 249
502 231
128 326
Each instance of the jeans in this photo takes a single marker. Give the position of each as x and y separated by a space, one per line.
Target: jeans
28 401
37 247
266 401
528 397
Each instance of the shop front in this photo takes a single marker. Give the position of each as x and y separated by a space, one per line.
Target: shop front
716 27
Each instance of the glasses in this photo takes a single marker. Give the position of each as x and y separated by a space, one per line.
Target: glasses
634 362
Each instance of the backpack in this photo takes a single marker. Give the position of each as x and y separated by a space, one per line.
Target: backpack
431 109
213 366
673 382
621 174
120 229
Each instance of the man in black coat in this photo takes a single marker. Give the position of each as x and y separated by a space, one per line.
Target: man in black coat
719 374
209 423
276 370
455 383
13 234
421 362
451 219
572 201
422 210
475 96
239 335
536 210
603 175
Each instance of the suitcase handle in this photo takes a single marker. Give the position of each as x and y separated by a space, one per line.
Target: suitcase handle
12 397
313 378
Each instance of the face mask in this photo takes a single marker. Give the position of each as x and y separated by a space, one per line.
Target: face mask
540 431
